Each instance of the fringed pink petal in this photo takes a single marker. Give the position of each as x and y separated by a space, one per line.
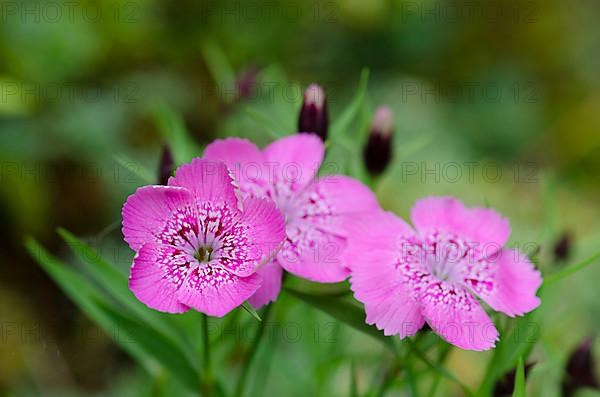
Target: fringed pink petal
313 254
454 314
245 161
208 180
146 212
295 160
271 274
214 291
507 281
478 226
156 274
372 255
266 228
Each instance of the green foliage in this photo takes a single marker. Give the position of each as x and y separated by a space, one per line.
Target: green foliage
174 133
344 311
167 346
520 380
152 348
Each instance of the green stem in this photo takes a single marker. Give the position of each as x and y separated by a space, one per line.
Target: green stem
207 382
569 270
239 390
438 368
391 374
443 353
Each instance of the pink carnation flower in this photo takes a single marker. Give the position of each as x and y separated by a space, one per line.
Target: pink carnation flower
405 277
195 247
315 210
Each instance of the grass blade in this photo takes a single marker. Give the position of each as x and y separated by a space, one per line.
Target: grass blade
569 270
520 380
247 307
353 383
174 132
148 347
218 65
342 311
342 123
516 342
115 283
133 168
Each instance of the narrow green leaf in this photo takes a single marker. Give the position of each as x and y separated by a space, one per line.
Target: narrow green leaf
241 386
132 167
520 380
168 354
265 122
174 132
218 65
515 342
247 307
413 146
144 344
344 121
437 367
569 270
80 292
342 311
444 350
343 143
115 283
353 383
411 379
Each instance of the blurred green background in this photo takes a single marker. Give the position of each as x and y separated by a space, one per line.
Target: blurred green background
511 85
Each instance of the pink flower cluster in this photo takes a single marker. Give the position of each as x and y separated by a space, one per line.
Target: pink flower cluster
227 226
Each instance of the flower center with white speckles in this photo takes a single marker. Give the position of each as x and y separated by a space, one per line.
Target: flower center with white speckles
436 258
444 256
206 236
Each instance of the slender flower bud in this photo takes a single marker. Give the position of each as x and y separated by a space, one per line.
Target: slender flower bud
562 248
505 386
166 166
313 115
378 152
246 81
581 369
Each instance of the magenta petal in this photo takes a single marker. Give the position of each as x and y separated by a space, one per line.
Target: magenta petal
455 315
330 203
481 226
208 180
318 226
375 231
372 255
513 282
345 194
215 291
244 160
313 254
155 277
271 274
295 159
147 210
234 152
378 285
266 228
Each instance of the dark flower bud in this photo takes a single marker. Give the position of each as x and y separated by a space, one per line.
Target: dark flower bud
581 369
166 166
378 151
246 80
562 248
313 115
505 386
